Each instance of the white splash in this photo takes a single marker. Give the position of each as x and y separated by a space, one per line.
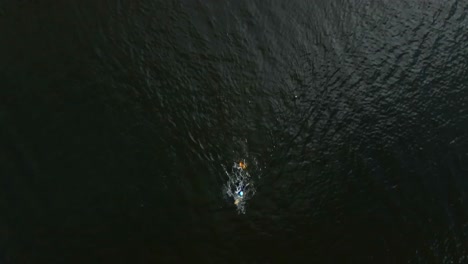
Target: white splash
240 186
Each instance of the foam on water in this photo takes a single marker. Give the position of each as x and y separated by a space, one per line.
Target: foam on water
240 185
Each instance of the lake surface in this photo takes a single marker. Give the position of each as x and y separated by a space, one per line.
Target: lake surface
233 131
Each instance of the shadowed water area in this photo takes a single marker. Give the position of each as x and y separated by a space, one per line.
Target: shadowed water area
233 131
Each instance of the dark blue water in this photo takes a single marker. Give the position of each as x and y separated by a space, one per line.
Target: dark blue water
123 125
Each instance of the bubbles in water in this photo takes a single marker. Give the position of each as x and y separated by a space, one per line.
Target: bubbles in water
240 185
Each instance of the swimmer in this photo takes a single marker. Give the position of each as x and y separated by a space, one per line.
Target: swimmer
242 165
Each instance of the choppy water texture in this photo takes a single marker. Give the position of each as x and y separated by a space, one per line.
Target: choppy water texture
123 124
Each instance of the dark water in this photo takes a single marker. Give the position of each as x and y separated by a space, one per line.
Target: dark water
118 120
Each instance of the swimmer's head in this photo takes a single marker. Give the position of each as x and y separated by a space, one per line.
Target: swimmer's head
242 165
